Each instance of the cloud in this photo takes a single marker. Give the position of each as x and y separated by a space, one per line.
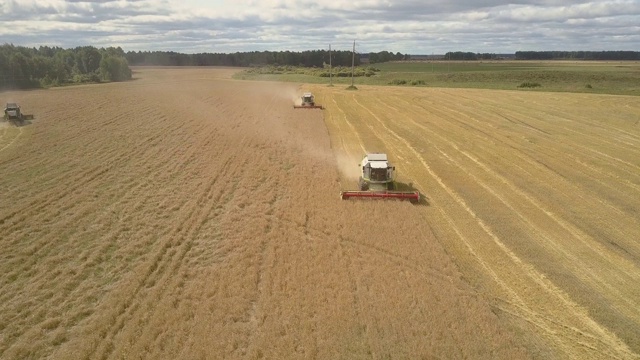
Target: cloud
409 26
528 13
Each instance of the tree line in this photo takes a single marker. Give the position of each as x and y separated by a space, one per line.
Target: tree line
385 56
309 58
461 55
23 67
548 55
577 55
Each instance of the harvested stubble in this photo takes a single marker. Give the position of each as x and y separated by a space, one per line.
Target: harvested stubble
534 196
186 215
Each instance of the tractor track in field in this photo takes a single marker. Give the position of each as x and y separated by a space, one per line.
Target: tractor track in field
502 178
72 184
528 159
48 242
346 120
158 269
353 286
477 180
429 274
187 215
576 233
440 137
578 128
132 189
12 141
169 260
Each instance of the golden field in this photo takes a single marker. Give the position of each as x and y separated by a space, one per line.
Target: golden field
188 215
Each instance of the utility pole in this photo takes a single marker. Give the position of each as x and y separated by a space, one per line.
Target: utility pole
330 71
353 60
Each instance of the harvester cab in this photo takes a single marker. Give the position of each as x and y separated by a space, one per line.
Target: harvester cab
378 181
377 173
12 112
308 99
307 102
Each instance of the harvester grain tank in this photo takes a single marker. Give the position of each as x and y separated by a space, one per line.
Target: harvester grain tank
378 181
308 102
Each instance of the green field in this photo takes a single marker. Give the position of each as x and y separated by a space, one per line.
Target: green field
619 78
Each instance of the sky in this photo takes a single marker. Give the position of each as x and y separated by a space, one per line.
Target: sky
406 26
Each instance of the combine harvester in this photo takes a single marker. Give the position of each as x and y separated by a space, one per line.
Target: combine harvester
13 113
308 102
378 181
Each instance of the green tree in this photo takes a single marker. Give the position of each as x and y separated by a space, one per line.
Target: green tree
88 59
19 69
114 68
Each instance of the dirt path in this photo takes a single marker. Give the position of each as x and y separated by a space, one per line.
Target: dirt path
534 195
186 215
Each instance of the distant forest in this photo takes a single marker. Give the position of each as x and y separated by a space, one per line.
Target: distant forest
549 55
310 58
23 67
460 55
577 55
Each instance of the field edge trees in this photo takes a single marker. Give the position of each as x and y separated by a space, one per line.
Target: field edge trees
22 67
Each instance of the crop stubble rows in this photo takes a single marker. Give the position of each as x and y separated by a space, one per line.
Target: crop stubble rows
185 215
535 195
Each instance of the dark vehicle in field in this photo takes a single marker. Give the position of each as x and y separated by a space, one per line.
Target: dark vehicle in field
13 113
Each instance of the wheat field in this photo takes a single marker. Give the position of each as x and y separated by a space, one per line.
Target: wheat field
536 197
188 215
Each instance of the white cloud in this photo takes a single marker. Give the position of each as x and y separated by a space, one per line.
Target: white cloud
529 13
409 26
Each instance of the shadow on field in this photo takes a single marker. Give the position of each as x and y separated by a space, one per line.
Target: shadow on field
400 186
